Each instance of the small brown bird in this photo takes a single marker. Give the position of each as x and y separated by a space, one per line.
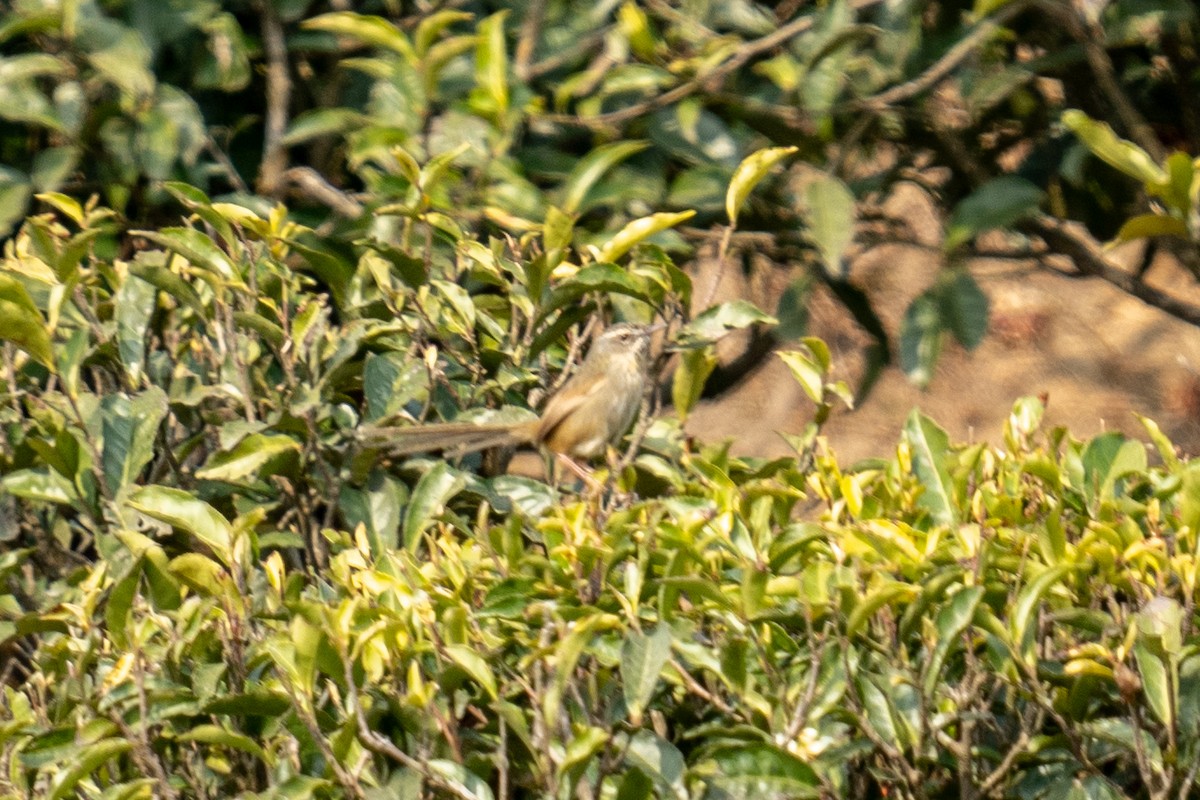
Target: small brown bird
591 411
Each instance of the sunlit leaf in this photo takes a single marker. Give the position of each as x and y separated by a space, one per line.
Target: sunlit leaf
246 459
1113 150
188 513
638 231
429 497
930 452
592 167
643 657
690 375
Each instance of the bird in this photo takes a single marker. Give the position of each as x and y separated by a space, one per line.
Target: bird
591 411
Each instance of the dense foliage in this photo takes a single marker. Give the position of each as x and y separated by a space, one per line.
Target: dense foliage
214 585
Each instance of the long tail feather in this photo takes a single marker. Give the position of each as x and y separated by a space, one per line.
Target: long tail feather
452 438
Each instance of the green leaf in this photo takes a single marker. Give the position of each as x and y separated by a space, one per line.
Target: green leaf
318 122
660 760
491 63
247 458
197 248
51 167
557 230
429 498
378 507
202 574
133 307
39 484
643 657
268 330
14 198
638 231
758 770
715 322
23 323
1028 599
215 734
690 375
372 30
474 665
130 427
1158 684
582 748
1123 155
807 372
120 602
391 381
592 167
83 763
465 782
748 174
431 25
996 204
965 308
167 281
952 620
930 450
1106 459
600 278
1177 191
890 592
182 510
830 217
1146 226
1166 450
921 338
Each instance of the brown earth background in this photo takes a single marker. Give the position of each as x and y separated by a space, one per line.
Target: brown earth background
1099 354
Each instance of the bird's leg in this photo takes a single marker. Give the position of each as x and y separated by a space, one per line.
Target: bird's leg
582 472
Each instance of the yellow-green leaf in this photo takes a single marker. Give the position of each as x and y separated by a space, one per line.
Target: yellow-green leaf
753 169
639 230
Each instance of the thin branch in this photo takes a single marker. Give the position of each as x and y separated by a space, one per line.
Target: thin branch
944 65
1090 259
747 52
383 746
313 185
226 165
531 28
1091 36
279 92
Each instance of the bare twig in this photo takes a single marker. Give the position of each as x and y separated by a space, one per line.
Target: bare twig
383 746
313 185
747 52
1090 259
1090 36
944 65
227 167
527 39
279 92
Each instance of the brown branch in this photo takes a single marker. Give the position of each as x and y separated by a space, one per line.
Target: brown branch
383 746
1090 36
531 26
944 65
279 92
310 183
1090 259
747 52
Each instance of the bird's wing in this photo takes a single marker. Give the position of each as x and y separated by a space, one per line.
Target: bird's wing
566 400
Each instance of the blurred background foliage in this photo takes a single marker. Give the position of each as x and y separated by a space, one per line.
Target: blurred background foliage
304 102
237 232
